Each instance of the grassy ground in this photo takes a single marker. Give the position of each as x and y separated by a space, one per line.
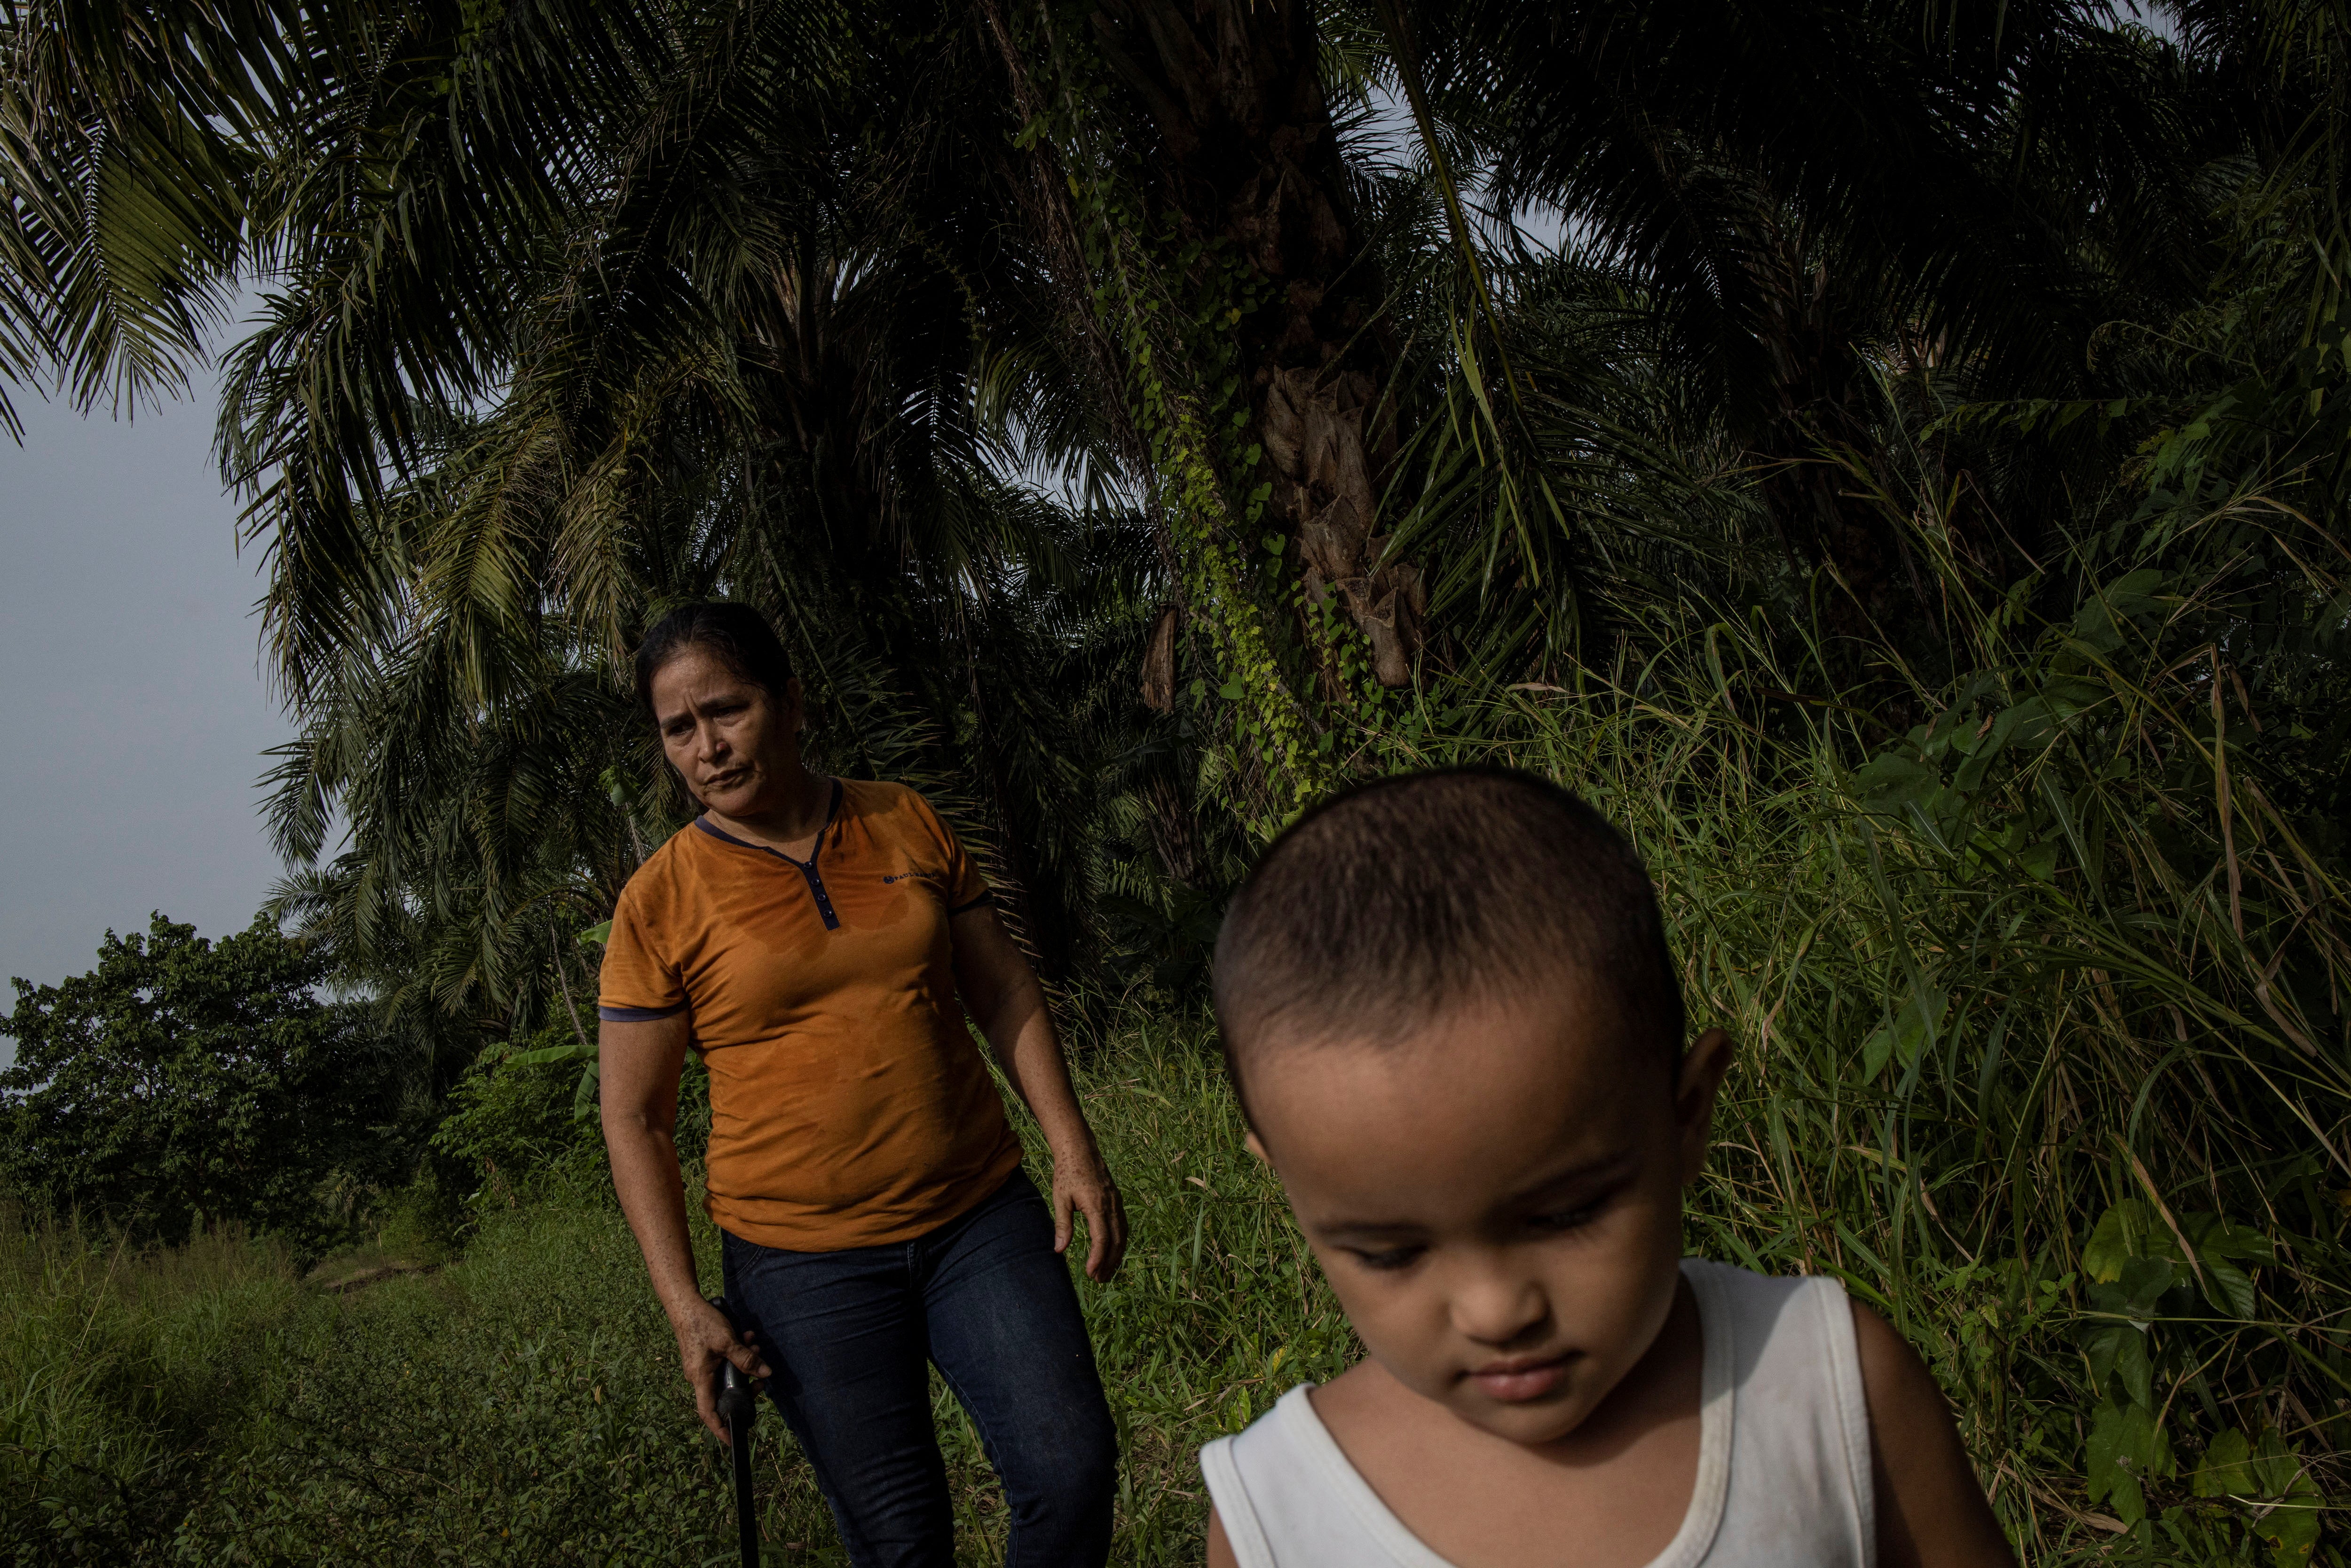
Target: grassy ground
522 1405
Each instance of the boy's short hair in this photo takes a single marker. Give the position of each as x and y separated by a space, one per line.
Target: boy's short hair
1379 911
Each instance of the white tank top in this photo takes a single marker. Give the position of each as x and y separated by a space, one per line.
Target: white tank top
1782 1460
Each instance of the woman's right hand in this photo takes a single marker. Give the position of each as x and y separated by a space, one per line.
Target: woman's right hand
704 1338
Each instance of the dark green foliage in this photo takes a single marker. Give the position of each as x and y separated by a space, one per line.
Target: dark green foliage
516 1110
184 1083
526 1113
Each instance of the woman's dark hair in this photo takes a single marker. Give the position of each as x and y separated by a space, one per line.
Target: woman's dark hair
736 635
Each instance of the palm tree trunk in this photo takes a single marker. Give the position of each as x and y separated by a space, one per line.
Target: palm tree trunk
1248 154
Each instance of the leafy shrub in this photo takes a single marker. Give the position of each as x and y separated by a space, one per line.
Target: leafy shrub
517 1110
525 1108
183 1083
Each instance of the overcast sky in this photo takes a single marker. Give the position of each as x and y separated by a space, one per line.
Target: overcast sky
130 688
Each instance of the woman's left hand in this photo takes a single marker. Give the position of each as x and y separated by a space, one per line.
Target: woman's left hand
1081 1184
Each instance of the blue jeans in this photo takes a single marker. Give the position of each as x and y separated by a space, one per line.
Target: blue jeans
850 1337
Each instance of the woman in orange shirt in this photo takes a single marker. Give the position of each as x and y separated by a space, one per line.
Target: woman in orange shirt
816 941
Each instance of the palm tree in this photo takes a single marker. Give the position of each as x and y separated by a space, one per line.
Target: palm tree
1810 198
1788 182
574 311
790 366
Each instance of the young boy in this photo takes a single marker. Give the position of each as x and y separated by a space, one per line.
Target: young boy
1456 1034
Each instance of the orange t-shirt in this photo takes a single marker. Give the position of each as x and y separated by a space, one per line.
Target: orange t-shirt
849 1103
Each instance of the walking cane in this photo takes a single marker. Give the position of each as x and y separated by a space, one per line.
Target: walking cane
737 1408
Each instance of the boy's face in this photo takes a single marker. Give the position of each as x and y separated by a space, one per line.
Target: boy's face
1498 1200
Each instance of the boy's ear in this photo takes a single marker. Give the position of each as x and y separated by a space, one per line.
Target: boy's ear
1703 1065
1257 1148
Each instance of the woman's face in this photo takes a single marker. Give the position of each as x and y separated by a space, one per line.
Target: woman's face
736 748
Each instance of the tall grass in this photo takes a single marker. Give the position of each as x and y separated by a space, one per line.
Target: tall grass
523 1404
120 1372
2042 1014
522 1407
2041 1050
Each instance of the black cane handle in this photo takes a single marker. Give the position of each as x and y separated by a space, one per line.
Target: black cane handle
737 1412
735 1394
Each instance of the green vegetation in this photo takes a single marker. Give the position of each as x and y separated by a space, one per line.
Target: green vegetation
184 1080
2051 1145
1909 495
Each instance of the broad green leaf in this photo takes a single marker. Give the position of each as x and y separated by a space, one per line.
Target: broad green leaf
2129 1229
2214 1237
583 1099
2113 1241
2066 696
1875 1050
570 1051
2225 1471
2137 593
2100 1346
2094 625
2144 1281
2126 1446
2030 722
1918 1021
600 933
2229 1288
2132 1367
1953 729
1890 782
2291 1533
1970 777
2276 1466
2290 1530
